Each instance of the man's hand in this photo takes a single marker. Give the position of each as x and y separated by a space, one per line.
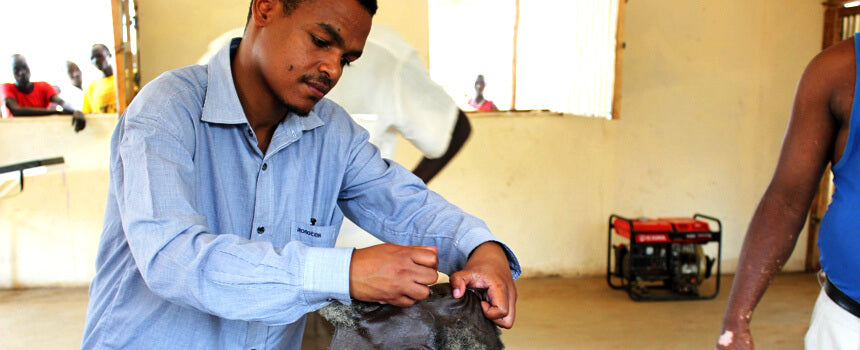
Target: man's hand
392 274
78 121
488 268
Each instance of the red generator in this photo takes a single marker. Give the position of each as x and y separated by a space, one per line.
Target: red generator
664 258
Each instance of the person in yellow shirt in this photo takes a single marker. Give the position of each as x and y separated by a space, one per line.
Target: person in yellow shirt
100 96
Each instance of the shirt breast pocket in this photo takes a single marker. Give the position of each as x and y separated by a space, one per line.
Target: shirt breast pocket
312 235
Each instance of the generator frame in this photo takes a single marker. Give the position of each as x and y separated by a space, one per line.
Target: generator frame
674 236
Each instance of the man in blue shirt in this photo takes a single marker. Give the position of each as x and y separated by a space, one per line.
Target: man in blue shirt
229 182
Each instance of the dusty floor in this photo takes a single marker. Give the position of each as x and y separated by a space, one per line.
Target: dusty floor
552 313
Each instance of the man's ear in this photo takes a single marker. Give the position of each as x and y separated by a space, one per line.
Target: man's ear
263 10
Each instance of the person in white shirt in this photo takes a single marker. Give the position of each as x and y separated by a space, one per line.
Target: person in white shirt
71 91
400 98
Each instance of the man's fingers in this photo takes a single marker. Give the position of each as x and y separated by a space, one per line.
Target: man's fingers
78 122
393 274
505 318
417 292
403 301
498 301
458 283
500 308
426 256
427 262
502 315
508 321
431 248
505 322
501 305
495 312
426 276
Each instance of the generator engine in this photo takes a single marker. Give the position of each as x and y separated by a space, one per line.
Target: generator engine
661 254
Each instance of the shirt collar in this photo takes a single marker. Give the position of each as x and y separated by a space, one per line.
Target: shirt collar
222 102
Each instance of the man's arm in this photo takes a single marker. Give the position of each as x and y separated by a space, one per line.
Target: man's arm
18 111
428 168
78 121
385 199
776 224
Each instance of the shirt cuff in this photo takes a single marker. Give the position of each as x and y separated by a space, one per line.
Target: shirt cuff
479 236
326 274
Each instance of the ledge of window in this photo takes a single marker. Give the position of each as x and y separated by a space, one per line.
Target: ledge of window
527 114
54 117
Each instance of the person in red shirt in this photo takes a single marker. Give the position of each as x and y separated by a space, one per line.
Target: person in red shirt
26 98
479 102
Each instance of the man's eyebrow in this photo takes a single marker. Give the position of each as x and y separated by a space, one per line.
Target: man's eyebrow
335 35
331 32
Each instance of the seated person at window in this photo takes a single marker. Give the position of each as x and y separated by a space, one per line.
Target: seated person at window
26 98
72 90
479 103
100 96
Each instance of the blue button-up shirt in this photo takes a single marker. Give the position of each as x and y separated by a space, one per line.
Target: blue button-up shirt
210 244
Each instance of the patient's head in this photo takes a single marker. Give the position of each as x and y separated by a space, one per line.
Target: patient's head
439 322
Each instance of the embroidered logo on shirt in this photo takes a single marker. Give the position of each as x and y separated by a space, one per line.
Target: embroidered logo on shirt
309 233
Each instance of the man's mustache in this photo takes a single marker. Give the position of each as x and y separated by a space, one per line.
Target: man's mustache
319 81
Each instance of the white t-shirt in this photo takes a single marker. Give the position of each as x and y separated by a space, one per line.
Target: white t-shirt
387 91
71 94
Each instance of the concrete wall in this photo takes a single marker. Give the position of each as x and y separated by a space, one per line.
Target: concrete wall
706 98
707 89
50 231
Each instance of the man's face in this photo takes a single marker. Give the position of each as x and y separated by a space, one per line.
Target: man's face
479 85
301 56
74 74
100 58
21 71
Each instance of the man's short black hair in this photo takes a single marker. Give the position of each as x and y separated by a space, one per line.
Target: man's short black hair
291 5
